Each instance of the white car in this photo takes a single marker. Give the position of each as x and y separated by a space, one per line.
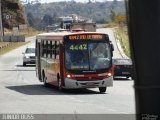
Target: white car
29 55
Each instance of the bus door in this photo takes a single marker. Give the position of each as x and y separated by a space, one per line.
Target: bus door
38 60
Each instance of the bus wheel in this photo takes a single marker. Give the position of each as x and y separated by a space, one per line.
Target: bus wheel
127 77
59 84
60 87
24 64
45 82
102 89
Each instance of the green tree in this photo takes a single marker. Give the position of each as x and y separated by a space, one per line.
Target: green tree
113 15
31 20
48 19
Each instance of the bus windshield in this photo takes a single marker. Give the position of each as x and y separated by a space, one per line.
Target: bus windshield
87 56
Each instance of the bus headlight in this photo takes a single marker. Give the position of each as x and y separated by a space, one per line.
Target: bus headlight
109 74
68 76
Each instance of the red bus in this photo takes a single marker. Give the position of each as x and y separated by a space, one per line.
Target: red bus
75 60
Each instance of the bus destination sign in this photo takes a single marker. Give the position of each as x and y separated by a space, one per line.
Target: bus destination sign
86 37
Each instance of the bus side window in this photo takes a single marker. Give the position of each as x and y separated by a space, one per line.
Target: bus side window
36 47
41 50
48 49
44 48
53 49
57 49
42 45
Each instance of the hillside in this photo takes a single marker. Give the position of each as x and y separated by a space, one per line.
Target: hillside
13 13
100 12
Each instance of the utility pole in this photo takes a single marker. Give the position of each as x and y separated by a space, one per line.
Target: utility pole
1 25
145 40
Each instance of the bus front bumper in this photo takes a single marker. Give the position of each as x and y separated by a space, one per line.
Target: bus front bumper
73 84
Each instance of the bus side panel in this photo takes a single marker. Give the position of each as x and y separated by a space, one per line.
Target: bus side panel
62 66
44 68
38 61
56 71
50 73
53 72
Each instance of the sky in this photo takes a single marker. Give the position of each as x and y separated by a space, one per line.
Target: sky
48 1
64 0
74 0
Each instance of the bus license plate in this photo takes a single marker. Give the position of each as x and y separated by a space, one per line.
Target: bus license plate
90 84
126 73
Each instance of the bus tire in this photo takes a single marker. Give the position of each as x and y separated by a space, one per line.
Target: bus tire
102 89
59 82
24 64
127 77
45 82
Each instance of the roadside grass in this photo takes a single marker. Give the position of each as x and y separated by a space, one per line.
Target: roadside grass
29 32
11 46
8 46
111 25
122 36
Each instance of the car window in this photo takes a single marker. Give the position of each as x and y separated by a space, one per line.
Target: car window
30 50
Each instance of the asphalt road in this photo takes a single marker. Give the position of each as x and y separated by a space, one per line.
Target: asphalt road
21 92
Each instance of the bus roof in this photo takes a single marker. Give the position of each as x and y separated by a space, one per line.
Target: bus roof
52 35
60 35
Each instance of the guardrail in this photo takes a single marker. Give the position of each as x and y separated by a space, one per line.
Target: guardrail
8 41
20 38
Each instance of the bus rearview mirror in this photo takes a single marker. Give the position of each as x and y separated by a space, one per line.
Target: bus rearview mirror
112 47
